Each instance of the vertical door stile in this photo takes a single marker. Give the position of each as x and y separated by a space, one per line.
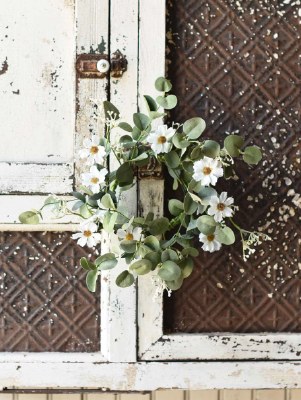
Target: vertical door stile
121 332
151 189
92 37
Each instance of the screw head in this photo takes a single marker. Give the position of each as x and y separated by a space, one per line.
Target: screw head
103 66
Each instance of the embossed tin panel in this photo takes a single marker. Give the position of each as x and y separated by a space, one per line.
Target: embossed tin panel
237 64
44 302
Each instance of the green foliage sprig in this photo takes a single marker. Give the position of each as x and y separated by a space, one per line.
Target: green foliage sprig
167 245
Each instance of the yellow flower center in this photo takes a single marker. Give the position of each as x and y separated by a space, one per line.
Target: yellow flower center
94 150
207 170
210 238
94 180
161 140
129 236
221 207
87 233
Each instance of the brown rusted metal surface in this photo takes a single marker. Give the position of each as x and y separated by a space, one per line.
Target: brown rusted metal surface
86 66
237 64
44 302
153 170
119 64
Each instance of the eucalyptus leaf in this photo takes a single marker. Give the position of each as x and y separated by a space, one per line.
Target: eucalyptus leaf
169 271
106 261
125 126
186 266
175 207
179 141
190 206
172 159
109 221
169 102
107 201
205 193
151 103
190 251
233 145
206 224
163 85
211 148
129 246
86 264
174 285
110 110
194 127
141 267
125 174
252 155
154 257
29 217
91 280
159 226
152 243
78 196
141 121
225 235
125 279
169 254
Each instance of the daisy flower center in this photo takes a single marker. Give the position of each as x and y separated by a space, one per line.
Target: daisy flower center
129 236
210 238
221 207
94 150
94 180
207 170
87 233
161 140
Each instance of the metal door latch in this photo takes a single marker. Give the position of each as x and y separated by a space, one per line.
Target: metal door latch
97 66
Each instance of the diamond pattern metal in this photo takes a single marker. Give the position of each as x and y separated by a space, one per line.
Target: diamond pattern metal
44 303
238 64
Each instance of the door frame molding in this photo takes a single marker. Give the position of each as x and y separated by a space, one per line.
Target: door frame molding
153 343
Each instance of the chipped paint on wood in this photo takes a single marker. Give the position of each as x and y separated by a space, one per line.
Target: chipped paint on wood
37 126
152 375
40 178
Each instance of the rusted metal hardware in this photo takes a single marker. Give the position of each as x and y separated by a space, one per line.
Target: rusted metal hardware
153 170
97 66
86 66
119 64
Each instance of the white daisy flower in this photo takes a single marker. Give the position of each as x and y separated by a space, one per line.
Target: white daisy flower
159 139
207 171
88 235
219 207
94 178
129 233
93 152
210 243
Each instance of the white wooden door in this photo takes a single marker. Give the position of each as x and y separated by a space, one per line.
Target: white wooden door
46 110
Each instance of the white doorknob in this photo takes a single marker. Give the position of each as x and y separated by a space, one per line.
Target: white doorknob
103 66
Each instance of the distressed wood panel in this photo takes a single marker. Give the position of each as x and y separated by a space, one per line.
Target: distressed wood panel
152 375
40 178
11 207
37 102
121 332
